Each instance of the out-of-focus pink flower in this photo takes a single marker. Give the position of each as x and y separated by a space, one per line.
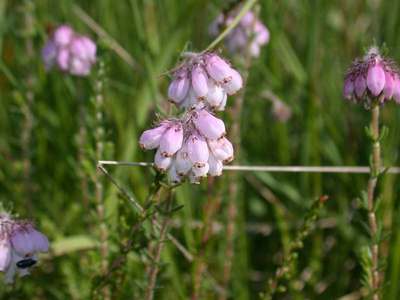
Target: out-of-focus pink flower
372 77
206 78
247 37
63 35
69 51
19 244
49 54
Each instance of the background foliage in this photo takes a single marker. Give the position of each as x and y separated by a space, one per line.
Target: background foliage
312 43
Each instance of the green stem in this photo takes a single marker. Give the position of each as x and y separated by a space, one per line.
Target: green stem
245 8
286 270
99 192
234 179
155 267
372 182
27 126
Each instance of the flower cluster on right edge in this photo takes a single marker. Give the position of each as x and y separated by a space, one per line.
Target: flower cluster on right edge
372 77
194 145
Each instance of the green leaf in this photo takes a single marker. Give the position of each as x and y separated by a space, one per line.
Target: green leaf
72 244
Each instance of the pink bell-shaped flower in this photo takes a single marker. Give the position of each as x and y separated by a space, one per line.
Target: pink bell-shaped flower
208 125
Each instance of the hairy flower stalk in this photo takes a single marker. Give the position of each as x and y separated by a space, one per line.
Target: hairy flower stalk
156 254
99 193
372 81
27 126
19 244
210 208
372 182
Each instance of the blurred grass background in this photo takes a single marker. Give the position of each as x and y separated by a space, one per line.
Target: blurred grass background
312 43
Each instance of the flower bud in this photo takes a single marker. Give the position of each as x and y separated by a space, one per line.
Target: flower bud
200 170
222 149
389 85
376 79
5 254
179 87
197 150
199 82
150 139
234 84
171 141
162 163
40 241
63 35
348 89
215 94
360 86
182 162
215 166
208 125
218 69
173 176
49 54
23 243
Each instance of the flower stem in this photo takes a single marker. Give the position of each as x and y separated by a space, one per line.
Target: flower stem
233 187
372 182
99 192
27 126
245 8
155 267
211 207
286 270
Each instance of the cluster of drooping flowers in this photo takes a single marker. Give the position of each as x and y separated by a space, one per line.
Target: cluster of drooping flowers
69 51
19 243
193 146
203 78
248 37
372 77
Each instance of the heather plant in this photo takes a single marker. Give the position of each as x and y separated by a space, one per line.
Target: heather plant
372 81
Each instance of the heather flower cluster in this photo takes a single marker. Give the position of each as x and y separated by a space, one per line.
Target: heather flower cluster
247 37
193 146
204 78
372 77
69 51
19 244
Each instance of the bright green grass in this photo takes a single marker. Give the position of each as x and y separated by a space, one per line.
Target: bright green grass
312 43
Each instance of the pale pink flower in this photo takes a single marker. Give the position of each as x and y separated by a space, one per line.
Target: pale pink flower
191 147
205 78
